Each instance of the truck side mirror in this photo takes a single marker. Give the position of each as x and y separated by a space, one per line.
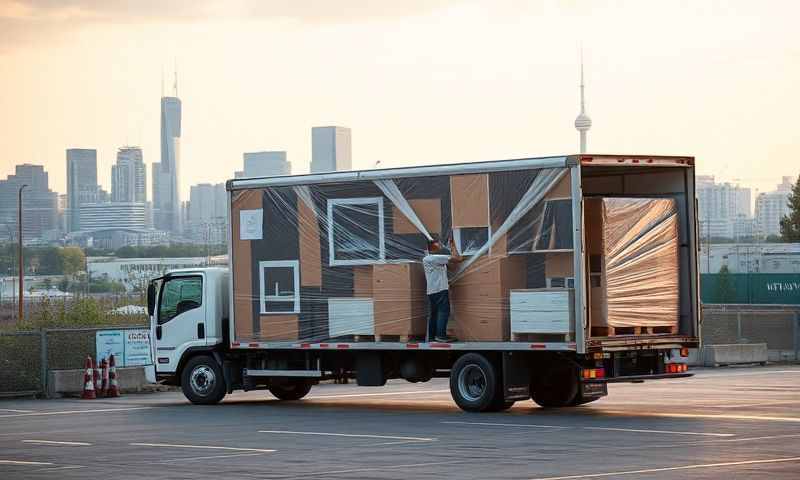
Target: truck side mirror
151 298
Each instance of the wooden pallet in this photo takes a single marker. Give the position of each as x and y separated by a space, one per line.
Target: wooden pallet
618 331
540 337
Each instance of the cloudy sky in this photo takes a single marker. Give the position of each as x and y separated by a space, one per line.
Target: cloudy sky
418 81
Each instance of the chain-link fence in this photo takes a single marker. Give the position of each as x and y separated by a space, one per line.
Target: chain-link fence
27 357
776 325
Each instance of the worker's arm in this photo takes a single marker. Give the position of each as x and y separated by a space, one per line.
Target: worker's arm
455 257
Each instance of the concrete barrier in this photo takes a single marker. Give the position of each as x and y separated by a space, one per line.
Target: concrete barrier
736 353
70 382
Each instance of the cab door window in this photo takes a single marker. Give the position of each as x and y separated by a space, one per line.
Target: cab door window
179 295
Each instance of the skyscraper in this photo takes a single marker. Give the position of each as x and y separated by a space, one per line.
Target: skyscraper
128 176
81 183
40 211
266 164
166 188
583 123
330 149
771 207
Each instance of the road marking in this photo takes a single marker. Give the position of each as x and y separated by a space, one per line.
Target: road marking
70 412
230 455
348 395
14 410
673 432
703 415
362 469
668 469
523 425
209 447
490 424
387 437
65 467
53 442
20 462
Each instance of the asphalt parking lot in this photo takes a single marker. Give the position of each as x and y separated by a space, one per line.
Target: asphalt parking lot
722 423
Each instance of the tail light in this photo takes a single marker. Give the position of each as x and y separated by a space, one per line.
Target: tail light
684 352
589 373
676 368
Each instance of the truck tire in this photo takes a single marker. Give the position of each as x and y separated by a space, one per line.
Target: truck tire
202 380
290 389
473 383
556 387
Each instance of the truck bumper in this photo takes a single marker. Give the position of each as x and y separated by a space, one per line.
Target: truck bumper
637 378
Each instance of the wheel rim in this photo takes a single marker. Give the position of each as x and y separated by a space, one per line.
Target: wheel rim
471 383
203 380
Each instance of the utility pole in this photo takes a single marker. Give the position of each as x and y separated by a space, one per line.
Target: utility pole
21 315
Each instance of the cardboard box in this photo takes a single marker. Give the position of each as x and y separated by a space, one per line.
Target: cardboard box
479 300
279 327
428 210
399 299
469 200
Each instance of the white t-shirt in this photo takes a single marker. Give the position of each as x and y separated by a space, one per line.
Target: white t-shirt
436 272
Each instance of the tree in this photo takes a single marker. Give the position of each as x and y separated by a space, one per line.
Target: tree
790 224
727 293
73 260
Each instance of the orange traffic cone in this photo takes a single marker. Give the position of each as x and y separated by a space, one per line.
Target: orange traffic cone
113 387
88 383
97 379
103 378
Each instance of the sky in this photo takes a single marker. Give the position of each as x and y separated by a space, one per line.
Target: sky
418 82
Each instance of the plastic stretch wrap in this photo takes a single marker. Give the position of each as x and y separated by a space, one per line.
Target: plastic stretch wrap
342 261
640 262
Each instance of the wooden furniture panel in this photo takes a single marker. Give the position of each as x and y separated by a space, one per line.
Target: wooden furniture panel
279 327
399 299
429 211
310 252
469 200
242 265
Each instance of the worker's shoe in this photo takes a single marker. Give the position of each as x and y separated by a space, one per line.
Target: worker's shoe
444 339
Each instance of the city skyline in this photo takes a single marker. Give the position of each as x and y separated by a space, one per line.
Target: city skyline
644 98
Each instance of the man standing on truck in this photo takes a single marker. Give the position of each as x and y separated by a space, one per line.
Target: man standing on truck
435 265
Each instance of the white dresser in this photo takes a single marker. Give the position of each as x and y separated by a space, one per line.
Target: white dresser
547 310
350 316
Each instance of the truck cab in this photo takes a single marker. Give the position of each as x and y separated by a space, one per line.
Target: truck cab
188 311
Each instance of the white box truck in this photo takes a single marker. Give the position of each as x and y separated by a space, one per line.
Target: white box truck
570 272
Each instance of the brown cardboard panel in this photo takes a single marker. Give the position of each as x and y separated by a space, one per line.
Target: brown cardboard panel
469 199
563 189
480 298
558 265
429 211
279 327
362 281
399 299
593 225
242 260
310 253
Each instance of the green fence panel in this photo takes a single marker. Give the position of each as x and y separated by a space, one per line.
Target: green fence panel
750 288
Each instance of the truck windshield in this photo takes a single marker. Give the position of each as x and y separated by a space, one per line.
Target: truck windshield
179 295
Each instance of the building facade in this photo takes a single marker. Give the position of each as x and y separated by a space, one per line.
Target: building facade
331 149
266 164
771 207
724 208
750 257
129 176
113 215
81 183
207 216
166 173
40 204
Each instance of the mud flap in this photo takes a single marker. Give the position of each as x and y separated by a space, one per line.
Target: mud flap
593 389
516 376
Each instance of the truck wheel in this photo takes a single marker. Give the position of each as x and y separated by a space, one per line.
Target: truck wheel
473 383
290 389
557 387
202 380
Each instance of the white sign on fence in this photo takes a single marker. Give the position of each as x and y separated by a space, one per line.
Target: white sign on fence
137 347
109 342
130 347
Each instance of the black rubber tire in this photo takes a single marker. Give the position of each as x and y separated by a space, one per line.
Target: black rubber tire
500 405
290 389
204 370
556 387
473 373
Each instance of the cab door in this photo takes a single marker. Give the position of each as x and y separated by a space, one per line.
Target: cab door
180 320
